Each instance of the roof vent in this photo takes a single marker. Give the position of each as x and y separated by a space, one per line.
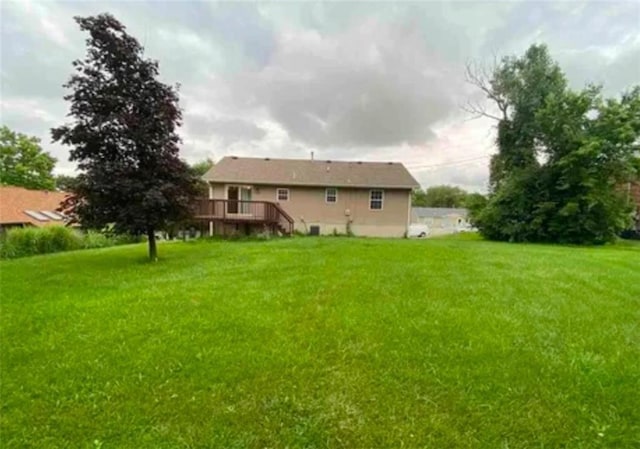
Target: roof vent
328 162
267 159
234 157
389 163
359 162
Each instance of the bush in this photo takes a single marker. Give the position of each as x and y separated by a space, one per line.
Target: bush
59 238
126 239
95 239
31 241
23 242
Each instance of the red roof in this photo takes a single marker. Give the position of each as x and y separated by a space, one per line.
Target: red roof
35 207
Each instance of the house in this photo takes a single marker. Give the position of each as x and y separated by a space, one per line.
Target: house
309 196
441 220
20 207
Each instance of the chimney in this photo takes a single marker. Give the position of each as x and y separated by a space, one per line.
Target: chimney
312 155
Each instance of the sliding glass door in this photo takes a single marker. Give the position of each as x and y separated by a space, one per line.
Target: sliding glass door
237 196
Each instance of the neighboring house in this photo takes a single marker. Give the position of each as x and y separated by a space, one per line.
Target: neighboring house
20 207
441 220
309 196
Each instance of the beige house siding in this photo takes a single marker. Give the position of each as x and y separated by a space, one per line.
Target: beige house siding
307 206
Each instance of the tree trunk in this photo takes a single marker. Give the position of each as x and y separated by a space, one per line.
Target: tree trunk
153 250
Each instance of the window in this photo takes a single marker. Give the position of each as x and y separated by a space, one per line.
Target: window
37 215
282 194
52 215
375 199
331 195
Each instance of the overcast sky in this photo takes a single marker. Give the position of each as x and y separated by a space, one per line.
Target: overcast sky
374 81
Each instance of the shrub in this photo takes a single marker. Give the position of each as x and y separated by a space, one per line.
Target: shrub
32 241
126 239
95 239
59 238
23 242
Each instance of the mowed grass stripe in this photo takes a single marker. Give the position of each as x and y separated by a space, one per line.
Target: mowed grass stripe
326 342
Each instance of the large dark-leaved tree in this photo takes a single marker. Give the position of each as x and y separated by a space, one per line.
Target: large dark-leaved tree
123 137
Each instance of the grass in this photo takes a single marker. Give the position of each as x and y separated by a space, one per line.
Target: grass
323 343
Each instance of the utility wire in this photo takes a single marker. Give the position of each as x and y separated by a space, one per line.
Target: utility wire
450 163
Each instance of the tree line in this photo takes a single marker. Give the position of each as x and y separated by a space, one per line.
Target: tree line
446 196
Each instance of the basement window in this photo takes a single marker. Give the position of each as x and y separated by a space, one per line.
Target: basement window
376 197
331 195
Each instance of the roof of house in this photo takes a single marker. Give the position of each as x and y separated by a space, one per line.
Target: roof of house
37 207
434 212
306 172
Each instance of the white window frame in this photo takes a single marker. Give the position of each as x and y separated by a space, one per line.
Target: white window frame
371 199
282 189
326 195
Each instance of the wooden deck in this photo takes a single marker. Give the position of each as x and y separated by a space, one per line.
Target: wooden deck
244 212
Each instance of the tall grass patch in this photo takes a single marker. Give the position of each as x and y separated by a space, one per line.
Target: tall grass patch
31 241
24 242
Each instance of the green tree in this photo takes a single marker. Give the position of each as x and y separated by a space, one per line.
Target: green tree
66 183
562 155
201 167
475 204
23 163
418 198
124 137
439 196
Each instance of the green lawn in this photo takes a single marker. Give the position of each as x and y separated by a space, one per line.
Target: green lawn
326 342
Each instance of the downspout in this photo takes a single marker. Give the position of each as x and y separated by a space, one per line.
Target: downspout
211 198
408 224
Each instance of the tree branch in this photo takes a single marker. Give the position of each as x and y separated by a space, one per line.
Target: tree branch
480 77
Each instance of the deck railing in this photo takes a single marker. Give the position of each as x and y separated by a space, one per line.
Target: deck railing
243 211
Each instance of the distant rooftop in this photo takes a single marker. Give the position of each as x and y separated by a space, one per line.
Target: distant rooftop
36 207
434 212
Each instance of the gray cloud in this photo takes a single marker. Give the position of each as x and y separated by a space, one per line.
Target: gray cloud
471 177
615 73
36 56
594 42
230 130
377 84
564 25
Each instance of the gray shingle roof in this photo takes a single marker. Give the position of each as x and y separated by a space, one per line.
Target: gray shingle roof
311 173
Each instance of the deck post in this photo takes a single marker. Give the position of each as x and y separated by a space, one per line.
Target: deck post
211 229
